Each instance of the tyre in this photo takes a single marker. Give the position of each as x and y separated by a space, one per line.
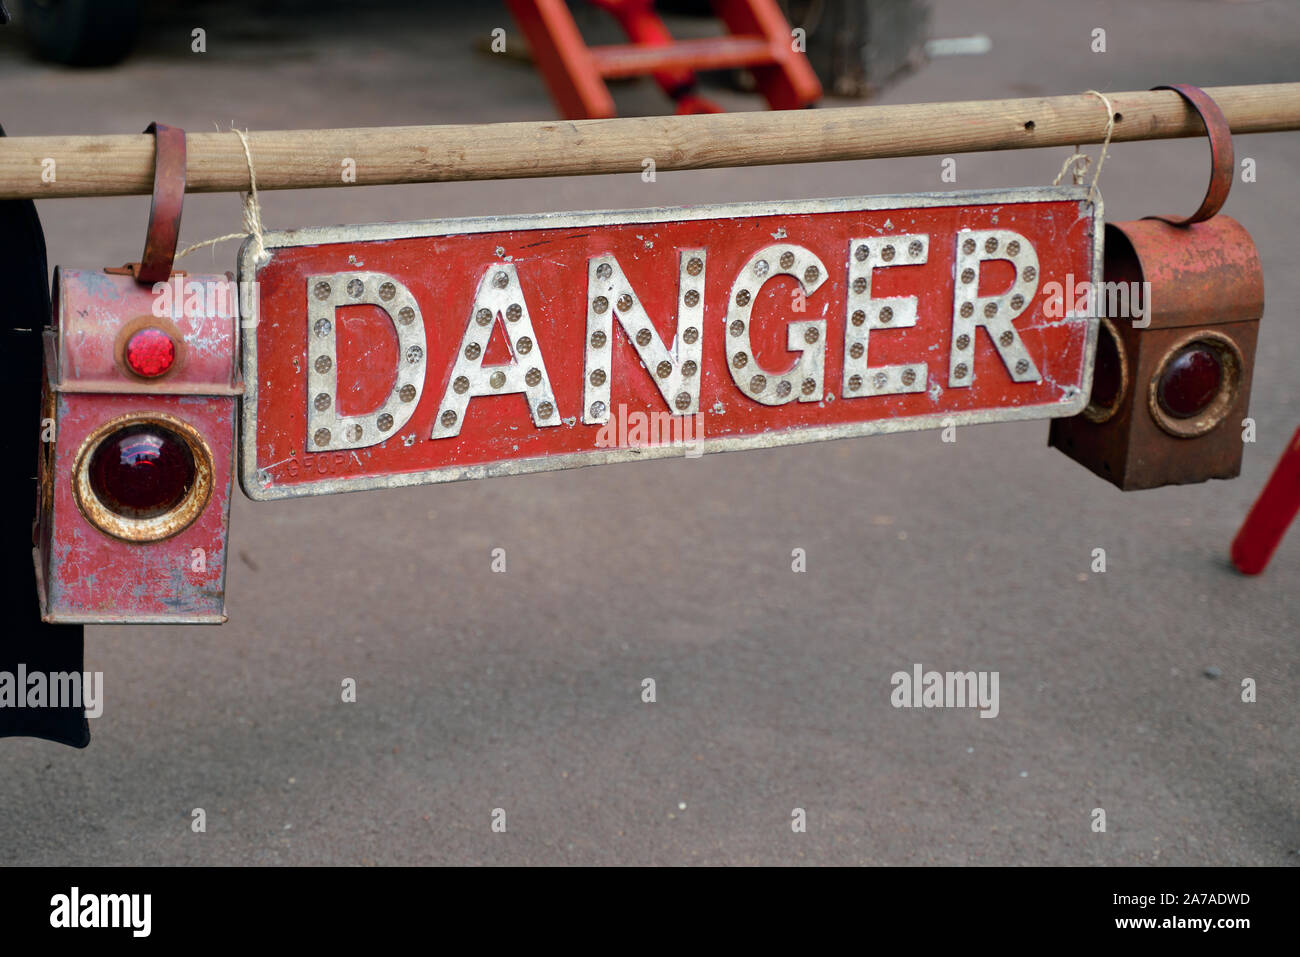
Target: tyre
81 32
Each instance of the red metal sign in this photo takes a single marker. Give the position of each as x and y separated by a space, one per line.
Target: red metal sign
403 354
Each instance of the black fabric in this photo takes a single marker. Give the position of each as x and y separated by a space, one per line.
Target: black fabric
24 638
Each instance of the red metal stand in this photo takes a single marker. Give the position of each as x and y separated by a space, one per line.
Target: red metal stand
759 39
1272 513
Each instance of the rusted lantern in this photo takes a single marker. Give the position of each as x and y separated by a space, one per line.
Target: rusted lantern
1180 307
1172 378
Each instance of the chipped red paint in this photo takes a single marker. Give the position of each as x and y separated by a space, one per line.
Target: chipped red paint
85 574
100 311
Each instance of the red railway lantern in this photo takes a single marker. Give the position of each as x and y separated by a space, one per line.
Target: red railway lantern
137 451
1171 386
1180 307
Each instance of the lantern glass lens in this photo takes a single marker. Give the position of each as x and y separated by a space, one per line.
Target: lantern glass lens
142 471
1191 381
150 352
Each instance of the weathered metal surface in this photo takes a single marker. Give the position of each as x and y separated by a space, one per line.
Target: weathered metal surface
1201 274
1205 286
97 311
165 208
547 340
87 569
1222 162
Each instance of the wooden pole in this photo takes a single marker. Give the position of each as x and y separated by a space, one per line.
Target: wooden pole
299 159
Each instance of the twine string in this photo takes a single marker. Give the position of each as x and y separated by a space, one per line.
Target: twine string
1081 161
252 209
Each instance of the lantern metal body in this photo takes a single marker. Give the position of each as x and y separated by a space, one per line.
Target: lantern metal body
1199 287
95 565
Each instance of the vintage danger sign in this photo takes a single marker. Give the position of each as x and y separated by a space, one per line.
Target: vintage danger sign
403 354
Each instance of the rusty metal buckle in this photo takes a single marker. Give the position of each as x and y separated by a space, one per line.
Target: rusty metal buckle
1221 155
164 209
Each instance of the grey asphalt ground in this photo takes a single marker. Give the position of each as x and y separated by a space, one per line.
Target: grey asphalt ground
521 690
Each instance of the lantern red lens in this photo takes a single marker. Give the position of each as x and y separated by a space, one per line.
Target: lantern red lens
142 471
150 352
1191 381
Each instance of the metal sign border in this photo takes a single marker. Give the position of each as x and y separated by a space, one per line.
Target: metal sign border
258 491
